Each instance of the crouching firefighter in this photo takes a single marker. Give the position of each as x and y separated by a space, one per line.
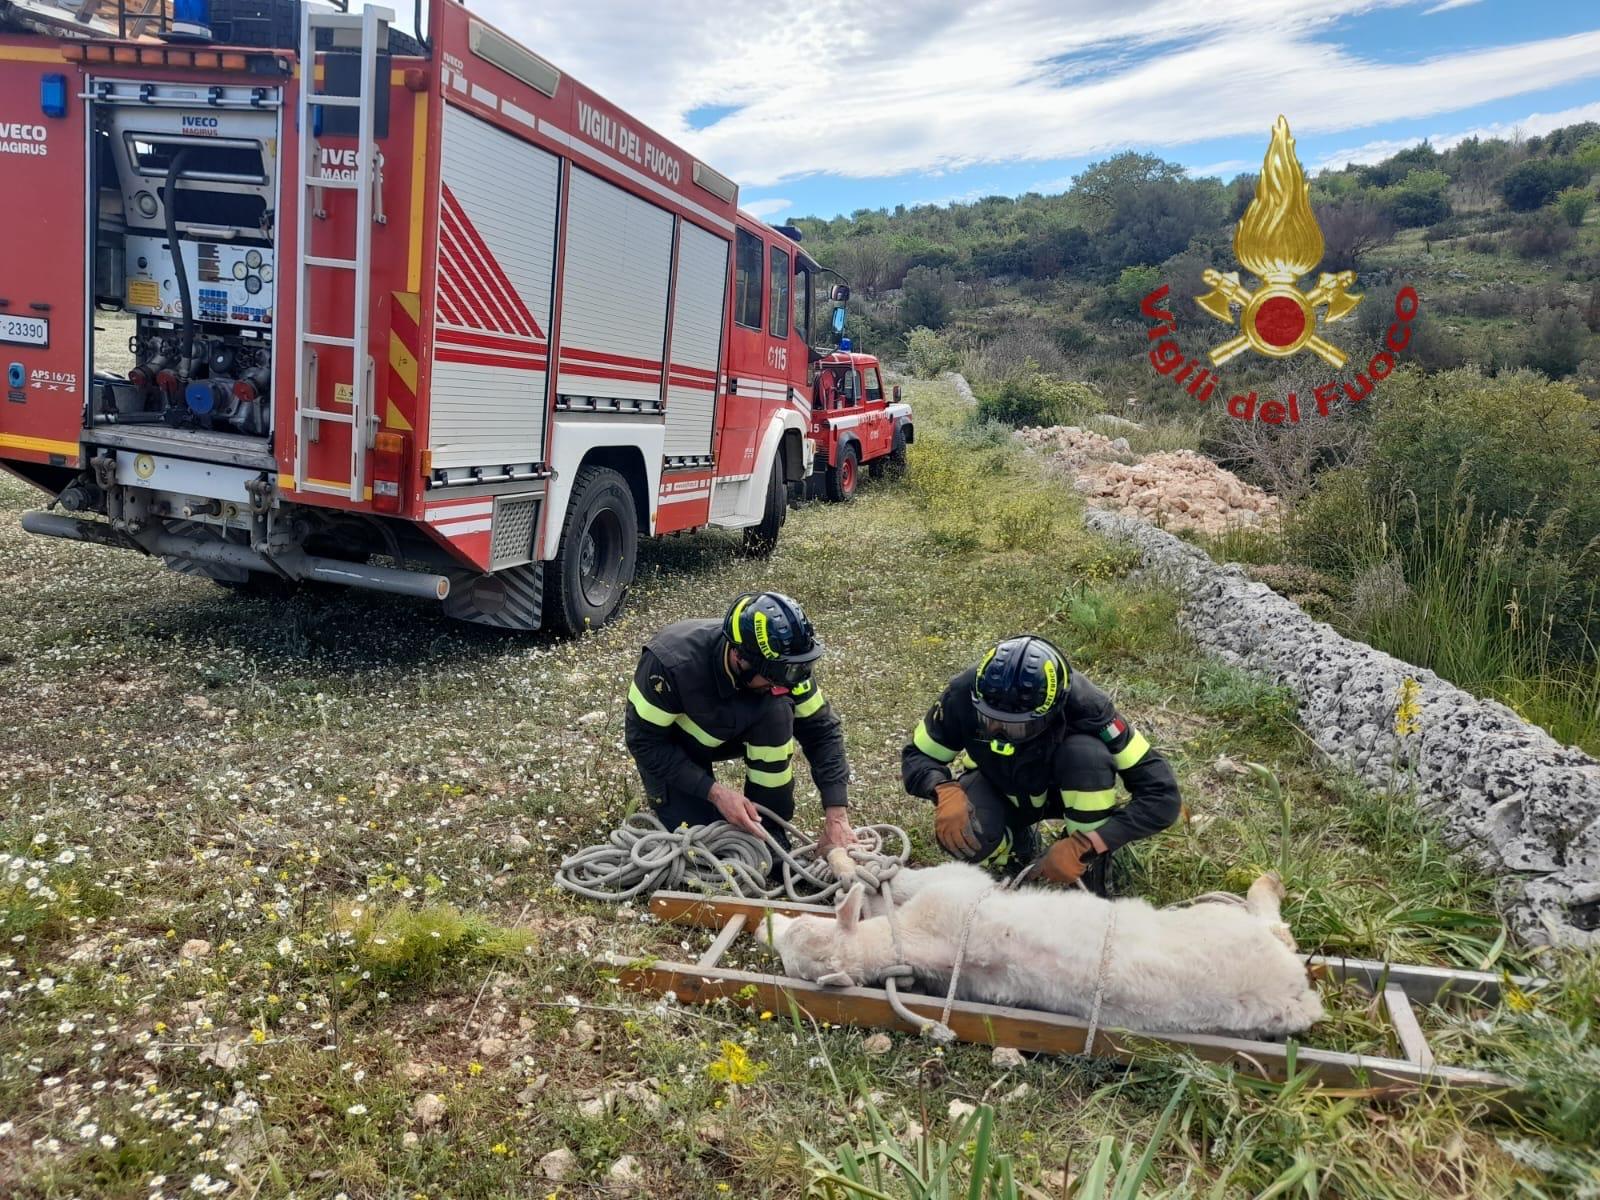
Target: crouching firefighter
706 691
1045 745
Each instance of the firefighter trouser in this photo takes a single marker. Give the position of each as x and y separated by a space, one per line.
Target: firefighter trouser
768 754
1008 835
674 808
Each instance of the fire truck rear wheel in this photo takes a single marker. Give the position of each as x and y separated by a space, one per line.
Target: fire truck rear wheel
589 576
843 478
761 540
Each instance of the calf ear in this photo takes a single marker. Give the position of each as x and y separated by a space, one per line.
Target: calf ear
849 913
836 979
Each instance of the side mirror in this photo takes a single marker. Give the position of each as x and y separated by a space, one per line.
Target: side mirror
840 293
897 393
838 320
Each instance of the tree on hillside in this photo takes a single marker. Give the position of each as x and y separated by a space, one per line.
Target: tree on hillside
1152 223
1418 199
1100 185
868 263
926 297
1421 157
1350 229
1477 166
1533 184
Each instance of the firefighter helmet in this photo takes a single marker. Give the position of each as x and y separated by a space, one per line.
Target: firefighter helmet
1020 687
771 633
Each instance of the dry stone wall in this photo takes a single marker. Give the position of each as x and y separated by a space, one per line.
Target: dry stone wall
1505 791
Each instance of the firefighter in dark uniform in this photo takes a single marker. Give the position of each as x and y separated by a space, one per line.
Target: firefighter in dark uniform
742 687
1046 745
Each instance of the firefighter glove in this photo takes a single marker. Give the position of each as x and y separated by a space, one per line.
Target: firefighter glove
1064 862
953 822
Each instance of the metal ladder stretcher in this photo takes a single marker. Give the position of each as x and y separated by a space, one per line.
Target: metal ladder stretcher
367 30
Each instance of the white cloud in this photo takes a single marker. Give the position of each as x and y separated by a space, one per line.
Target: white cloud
767 209
1534 124
1447 5
931 85
1224 170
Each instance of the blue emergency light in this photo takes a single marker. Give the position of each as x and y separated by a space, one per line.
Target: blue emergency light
53 95
844 344
192 19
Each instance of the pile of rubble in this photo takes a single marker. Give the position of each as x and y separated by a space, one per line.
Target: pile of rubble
1176 489
1070 446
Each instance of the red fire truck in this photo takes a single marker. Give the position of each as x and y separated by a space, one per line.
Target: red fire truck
855 424
429 318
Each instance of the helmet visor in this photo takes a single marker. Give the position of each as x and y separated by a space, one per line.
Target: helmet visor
787 674
1015 730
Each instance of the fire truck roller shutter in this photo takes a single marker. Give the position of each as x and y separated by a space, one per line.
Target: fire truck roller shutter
698 298
497 234
613 297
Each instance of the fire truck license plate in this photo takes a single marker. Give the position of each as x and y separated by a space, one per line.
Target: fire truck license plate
24 331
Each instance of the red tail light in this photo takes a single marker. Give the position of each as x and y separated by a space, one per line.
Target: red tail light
390 453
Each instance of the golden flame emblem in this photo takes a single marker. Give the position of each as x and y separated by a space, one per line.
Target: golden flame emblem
1279 240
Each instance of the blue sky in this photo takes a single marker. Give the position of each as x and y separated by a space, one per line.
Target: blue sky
821 107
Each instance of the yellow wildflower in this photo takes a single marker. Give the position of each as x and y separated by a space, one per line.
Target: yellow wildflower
1408 713
733 1065
475 1068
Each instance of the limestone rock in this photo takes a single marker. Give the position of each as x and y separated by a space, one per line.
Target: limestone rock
428 1110
558 1164
876 1044
625 1175
194 948
1006 1058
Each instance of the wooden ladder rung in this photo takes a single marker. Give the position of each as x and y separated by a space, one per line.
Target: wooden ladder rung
1403 1020
724 939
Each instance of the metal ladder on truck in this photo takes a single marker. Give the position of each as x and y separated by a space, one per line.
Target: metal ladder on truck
367 30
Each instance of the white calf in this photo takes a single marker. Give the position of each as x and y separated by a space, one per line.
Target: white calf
1208 968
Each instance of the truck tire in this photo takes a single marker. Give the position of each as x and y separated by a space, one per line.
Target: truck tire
599 549
895 465
761 540
844 475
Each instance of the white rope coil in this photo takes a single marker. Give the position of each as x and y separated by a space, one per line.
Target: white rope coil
645 856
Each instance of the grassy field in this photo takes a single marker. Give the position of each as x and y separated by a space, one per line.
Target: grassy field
279 921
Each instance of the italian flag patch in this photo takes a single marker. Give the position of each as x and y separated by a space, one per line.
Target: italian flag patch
1113 731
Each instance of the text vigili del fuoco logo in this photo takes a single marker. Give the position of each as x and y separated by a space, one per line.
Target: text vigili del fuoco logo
1279 241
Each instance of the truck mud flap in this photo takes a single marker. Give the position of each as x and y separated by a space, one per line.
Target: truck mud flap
508 599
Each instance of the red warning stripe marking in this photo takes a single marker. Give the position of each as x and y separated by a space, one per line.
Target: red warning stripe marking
472 283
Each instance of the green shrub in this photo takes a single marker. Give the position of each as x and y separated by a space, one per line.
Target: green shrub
1322 531
1029 397
1135 283
1572 204
1535 183
1518 446
928 353
395 945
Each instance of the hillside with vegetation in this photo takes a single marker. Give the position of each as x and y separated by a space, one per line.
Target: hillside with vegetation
1452 517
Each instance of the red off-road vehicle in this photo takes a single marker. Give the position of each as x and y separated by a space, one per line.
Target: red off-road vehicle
855 423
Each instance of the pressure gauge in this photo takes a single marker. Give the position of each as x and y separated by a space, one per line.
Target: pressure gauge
266 274
252 284
253 259
240 270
